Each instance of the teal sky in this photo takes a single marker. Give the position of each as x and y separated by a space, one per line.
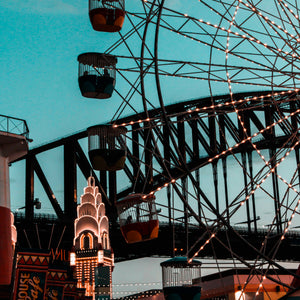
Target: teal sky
40 42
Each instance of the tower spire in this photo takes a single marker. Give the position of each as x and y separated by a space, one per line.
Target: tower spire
93 257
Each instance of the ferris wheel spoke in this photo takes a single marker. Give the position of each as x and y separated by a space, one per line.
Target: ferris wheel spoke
224 155
241 75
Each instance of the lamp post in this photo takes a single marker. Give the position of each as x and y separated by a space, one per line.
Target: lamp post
36 203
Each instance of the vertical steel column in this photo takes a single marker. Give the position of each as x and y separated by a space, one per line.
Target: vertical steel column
103 181
167 157
213 147
252 188
148 159
181 146
242 136
224 162
29 189
70 181
250 167
112 178
196 157
136 157
272 154
245 173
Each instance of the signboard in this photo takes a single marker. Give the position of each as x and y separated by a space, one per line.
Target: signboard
30 285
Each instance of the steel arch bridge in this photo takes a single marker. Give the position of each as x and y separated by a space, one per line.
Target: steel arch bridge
206 135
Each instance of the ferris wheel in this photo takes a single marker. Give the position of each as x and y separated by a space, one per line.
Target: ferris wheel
237 64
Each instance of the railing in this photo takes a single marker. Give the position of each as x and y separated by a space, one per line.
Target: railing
243 230
46 218
14 125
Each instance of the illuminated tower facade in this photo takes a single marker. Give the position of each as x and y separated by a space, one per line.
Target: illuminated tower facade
92 257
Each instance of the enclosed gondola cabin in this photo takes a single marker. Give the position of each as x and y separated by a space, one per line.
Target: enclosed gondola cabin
107 15
96 75
179 276
138 218
107 147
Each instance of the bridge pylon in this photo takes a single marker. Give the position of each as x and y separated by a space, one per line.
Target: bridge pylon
13 145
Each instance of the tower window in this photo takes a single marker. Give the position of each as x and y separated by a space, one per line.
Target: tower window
104 241
86 242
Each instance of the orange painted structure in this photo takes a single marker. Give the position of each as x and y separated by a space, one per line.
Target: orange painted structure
238 284
107 15
138 218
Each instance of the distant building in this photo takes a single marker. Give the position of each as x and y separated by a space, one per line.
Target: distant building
92 256
230 285
294 294
149 295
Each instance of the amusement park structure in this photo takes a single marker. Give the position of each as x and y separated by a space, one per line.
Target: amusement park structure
189 116
213 176
92 257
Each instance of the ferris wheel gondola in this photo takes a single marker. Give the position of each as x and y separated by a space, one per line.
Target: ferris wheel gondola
96 75
107 147
107 15
138 217
242 45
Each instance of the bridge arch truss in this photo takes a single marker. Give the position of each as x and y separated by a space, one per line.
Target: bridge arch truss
234 163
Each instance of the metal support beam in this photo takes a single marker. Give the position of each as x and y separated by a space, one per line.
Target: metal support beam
148 160
223 147
70 182
213 147
242 136
272 154
196 157
40 174
182 149
136 157
166 152
29 188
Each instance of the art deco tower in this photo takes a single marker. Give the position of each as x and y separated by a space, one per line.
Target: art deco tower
92 256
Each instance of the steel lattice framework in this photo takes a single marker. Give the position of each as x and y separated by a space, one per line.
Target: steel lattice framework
225 167
206 136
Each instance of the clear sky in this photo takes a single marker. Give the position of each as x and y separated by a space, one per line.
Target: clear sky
40 42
